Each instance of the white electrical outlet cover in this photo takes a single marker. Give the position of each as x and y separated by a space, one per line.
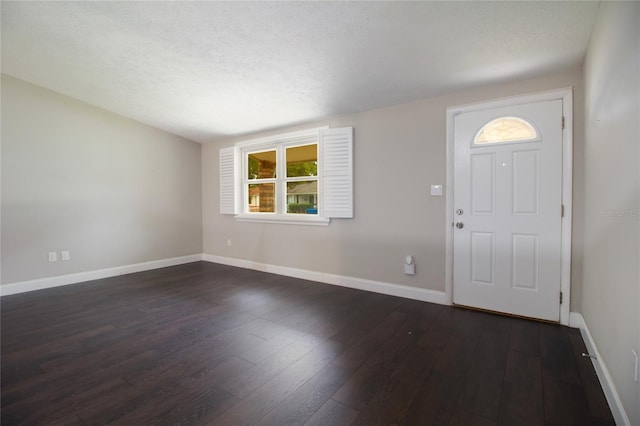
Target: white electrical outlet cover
409 269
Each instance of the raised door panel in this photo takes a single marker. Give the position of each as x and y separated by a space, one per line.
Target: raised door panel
483 183
526 182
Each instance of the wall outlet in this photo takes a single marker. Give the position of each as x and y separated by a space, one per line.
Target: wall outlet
65 255
635 365
228 242
409 265
53 256
410 269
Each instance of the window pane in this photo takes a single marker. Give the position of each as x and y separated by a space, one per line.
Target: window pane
262 165
262 197
302 161
302 197
506 129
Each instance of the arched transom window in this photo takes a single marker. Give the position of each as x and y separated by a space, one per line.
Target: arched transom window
504 130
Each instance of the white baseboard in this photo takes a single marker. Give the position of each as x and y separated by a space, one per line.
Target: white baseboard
340 280
407 292
576 320
42 283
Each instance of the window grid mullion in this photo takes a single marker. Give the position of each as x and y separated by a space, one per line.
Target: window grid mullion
281 180
301 178
280 173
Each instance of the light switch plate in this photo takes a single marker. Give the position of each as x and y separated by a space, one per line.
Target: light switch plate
436 190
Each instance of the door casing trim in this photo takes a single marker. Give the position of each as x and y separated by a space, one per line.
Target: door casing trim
564 94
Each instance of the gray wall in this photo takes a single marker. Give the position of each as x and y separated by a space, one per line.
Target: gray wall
399 153
611 293
110 190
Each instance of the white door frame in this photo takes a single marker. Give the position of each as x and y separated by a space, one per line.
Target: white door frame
566 95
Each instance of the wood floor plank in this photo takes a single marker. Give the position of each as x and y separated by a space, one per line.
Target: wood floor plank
564 403
358 353
458 350
522 397
558 361
82 403
260 373
436 401
333 413
189 359
392 401
308 398
141 408
525 336
364 318
192 410
270 347
59 383
268 396
596 401
467 418
213 372
374 374
483 388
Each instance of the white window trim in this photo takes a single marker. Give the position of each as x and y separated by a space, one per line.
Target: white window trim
288 219
341 178
283 137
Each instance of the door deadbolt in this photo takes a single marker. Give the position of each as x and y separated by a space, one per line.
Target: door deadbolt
459 212
459 225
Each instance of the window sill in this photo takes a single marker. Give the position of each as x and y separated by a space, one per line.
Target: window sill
283 219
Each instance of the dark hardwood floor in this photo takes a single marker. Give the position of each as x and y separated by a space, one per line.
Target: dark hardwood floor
211 344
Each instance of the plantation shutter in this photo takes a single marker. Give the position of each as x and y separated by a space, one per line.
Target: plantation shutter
336 178
228 181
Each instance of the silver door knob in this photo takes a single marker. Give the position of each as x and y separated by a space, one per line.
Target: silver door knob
459 225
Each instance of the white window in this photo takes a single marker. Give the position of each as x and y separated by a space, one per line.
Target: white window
300 177
506 130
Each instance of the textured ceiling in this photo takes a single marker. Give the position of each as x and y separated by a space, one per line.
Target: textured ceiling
206 70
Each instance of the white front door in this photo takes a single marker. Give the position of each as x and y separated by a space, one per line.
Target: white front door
508 206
